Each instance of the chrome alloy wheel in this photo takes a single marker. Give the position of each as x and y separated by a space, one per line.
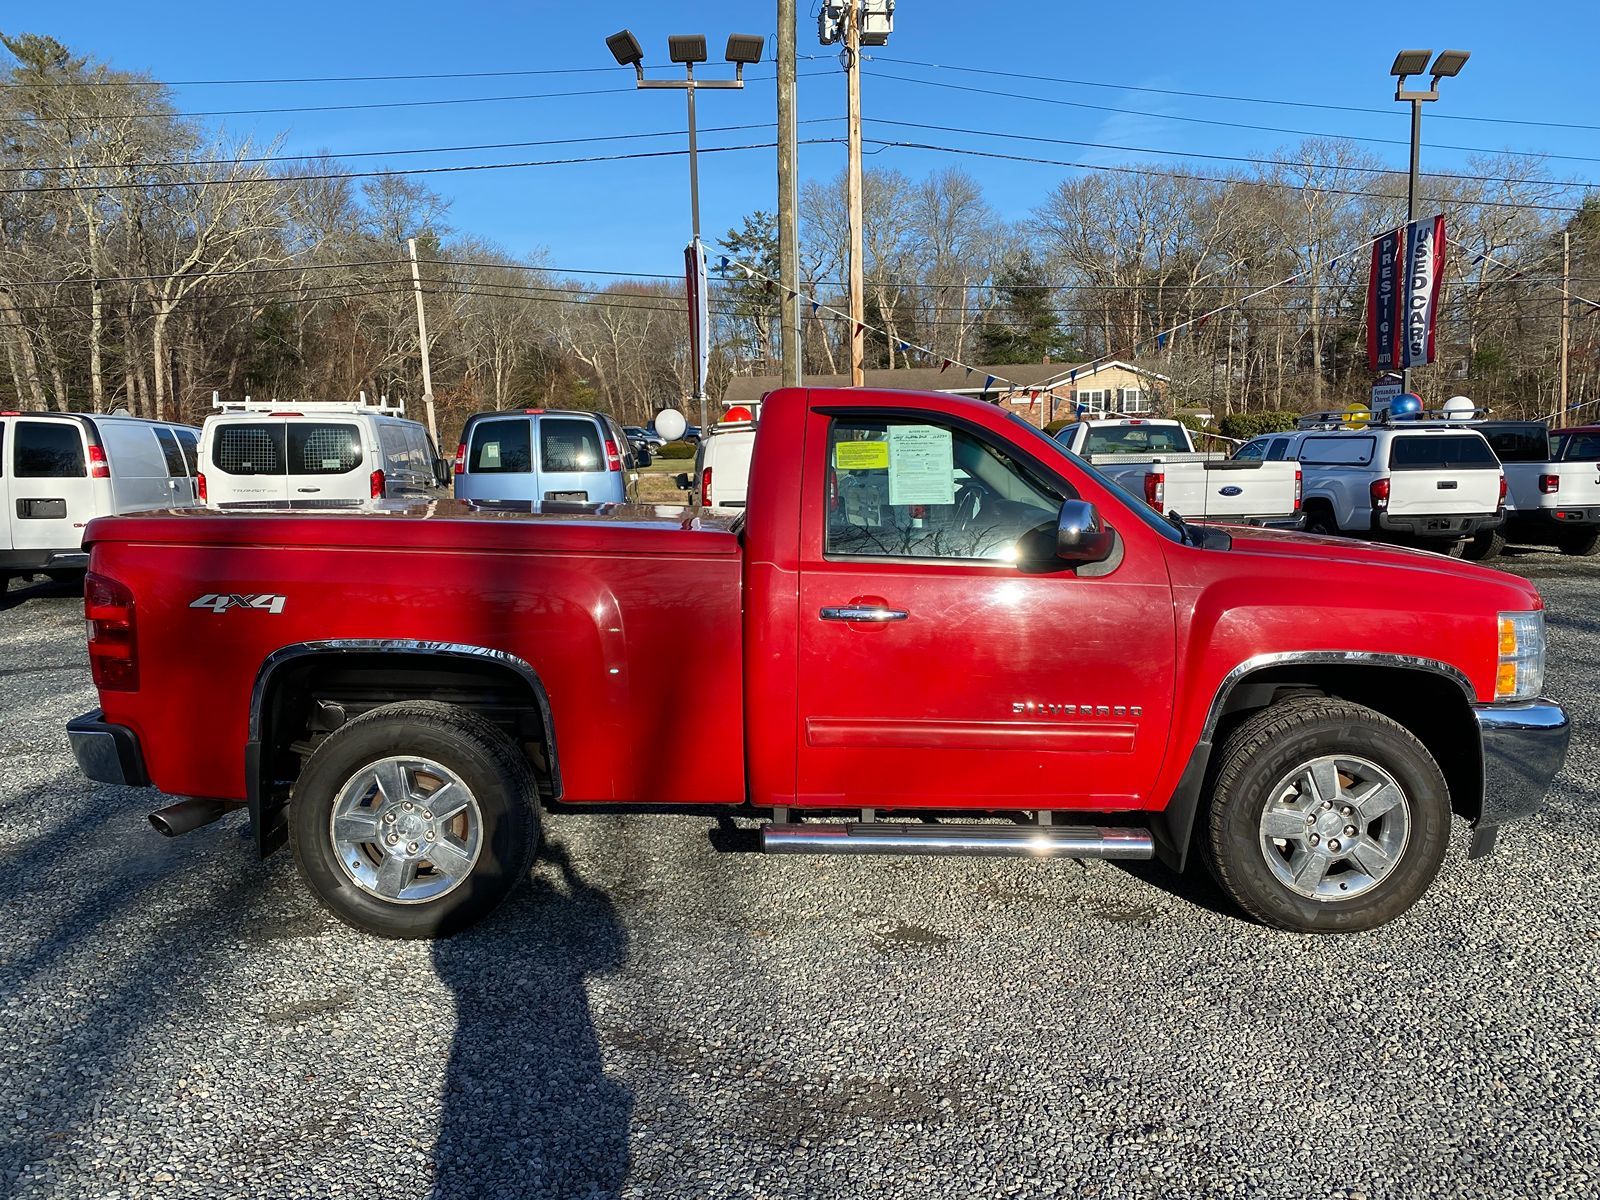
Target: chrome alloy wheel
1335 827
406 830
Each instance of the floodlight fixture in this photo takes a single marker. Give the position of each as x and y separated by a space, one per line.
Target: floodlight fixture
1410 62
625 48
1449 63
745 48
687 47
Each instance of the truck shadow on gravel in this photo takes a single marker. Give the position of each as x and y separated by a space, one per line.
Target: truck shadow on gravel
528 1109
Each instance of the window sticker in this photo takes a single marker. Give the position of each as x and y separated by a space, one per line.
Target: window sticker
491 455
861 456
921 465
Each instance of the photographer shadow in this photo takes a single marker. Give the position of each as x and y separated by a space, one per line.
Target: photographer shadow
527 1108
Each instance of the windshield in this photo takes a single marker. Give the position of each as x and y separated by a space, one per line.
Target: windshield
1135 504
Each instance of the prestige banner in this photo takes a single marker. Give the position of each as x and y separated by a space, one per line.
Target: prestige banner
1383 302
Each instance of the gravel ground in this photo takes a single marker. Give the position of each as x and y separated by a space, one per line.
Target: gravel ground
652 1018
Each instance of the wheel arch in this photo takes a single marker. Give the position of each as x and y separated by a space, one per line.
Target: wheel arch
1431 699
302 687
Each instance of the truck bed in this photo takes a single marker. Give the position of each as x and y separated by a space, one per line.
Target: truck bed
632 614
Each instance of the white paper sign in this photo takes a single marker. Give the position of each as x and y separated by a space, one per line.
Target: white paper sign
921 465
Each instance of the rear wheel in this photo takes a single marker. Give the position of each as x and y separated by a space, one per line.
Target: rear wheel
1485 546
414 820
1580 543
1320 520
1327 817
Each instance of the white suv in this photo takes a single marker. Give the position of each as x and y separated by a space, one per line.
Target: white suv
59 471
1432 484
281 454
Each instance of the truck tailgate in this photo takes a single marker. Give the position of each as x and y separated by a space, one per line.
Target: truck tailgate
1234 489
1444 491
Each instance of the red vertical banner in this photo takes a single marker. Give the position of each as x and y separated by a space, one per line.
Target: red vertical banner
1424 287
1384 302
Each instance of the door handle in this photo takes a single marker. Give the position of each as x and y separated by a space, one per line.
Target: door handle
863 612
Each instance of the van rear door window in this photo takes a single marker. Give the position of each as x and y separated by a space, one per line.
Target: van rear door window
249 448
569 444
316 448
49 450
501 447
172 453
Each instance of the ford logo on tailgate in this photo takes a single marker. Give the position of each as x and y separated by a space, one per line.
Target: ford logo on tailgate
1230 490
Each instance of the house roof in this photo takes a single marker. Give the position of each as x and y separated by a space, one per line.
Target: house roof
743 389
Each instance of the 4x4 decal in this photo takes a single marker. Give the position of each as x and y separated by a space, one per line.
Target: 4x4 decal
219 602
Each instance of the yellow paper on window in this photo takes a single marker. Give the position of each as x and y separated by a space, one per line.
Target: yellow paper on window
861 456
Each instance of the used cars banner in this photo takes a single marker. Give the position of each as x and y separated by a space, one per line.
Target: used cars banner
1425 246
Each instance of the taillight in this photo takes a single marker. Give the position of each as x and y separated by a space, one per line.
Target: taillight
98 467
1548 484
377 485
1298 490
613 459
1380 493
1502 489
200 485
1155 489
113 654
461 459
705 487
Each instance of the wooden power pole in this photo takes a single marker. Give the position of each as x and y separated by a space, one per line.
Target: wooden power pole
792 342
853 191
422 337
1566 323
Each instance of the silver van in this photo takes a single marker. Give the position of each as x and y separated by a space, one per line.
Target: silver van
59 471
539 455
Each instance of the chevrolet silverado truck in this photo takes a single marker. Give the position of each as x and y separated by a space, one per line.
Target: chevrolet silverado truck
931 631
1156 458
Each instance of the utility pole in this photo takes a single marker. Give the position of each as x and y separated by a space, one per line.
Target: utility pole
422 337
792 339
858 312
1566 322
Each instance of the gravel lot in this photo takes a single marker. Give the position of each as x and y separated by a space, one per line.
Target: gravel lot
653 1018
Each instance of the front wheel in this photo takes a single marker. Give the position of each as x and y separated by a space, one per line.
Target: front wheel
1327 817
414 820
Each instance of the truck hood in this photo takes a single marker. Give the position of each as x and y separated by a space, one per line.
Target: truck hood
1314 550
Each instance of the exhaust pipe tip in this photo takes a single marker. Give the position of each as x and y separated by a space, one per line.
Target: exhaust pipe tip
188 815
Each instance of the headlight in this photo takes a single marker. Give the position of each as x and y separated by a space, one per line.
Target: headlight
1520 675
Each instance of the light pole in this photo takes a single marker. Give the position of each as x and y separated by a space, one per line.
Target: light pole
688 49
1406 64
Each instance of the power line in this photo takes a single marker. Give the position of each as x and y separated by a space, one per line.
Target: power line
1158 116
330 155
1054 162
94 83
547 162
1128 87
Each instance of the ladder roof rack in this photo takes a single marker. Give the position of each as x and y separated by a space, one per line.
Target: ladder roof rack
381 406
1428 418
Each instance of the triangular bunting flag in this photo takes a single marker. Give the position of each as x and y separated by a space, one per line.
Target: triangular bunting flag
943 365
814 307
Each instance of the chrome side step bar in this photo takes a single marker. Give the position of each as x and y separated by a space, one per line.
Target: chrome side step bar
1027 841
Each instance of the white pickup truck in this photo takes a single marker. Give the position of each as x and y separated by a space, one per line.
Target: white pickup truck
1435 484
1552 484
1157 460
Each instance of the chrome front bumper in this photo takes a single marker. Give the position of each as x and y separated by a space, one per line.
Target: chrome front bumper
1524 746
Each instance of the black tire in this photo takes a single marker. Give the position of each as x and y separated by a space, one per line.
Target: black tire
491 765
1320 520
1485 546
1266 749
1579 543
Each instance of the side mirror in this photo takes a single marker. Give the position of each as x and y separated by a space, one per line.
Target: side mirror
442 469
1080 536
682 480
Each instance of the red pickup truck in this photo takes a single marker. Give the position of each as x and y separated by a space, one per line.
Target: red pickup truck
933 630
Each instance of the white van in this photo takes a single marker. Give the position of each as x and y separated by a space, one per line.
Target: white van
59 471
281 454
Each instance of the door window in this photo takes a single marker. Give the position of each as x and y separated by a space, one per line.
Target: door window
1337 451
248 449
1251 451
501 447
905 489
323 449
173 454
1279 450
1581 447
190 441
569 444
49 450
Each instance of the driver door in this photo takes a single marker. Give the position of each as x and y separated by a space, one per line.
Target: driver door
943 662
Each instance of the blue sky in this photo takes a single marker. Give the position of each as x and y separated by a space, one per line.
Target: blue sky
633 215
